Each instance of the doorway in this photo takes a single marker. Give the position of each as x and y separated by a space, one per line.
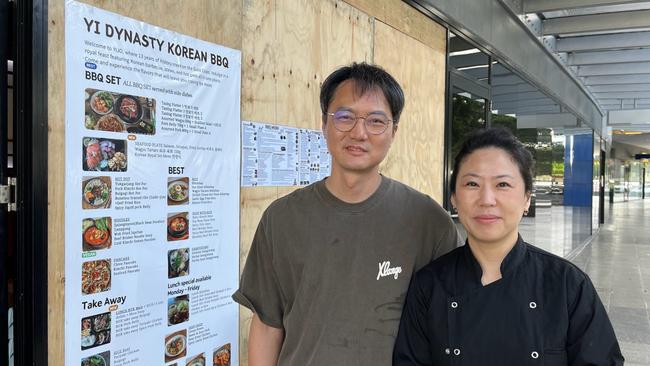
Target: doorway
468 106
23 182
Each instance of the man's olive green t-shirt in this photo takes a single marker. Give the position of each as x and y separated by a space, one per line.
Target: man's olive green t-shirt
334 275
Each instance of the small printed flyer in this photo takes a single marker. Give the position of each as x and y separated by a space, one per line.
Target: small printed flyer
152 194
274 155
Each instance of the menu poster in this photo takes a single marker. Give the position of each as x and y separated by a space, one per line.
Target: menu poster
275 155
152 194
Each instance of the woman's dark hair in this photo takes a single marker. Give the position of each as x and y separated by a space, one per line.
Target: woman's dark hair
500 138
366 77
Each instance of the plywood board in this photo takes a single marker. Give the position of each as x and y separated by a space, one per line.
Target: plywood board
404 18
416 157
56 184
346 36
212 21
253 203
288 48
259 61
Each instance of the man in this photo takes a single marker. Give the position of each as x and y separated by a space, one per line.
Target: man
330 263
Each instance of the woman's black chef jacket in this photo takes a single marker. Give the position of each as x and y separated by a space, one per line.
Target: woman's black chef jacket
543 311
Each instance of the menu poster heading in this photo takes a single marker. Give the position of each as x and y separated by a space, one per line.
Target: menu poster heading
274 155
152 147
122 34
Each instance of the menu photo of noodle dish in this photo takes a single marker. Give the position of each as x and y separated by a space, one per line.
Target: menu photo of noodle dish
178 263
95 330
175 345
95 276
221 356
178 226
96 233
178 190
198 360
100 359
115 112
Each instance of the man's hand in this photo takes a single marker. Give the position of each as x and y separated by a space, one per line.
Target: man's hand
264 343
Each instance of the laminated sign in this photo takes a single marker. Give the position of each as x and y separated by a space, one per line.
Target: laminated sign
152 147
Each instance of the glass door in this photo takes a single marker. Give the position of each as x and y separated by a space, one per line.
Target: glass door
6 239
468 106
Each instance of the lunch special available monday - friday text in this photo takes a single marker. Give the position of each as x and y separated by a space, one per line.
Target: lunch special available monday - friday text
147 41
91 304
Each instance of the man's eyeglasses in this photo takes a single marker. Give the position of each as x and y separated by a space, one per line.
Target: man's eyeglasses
345 121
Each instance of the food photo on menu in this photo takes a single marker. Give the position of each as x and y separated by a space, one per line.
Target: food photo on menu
178 226
100 359
221 356
178 190
175 345
95 276
96 192
95 330
178 262
96 233
114 112
198 360
178 309
104 155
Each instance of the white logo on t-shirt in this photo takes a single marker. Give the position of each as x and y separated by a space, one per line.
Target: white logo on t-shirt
385 270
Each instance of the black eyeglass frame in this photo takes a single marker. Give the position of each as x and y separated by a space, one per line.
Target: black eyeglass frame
356 119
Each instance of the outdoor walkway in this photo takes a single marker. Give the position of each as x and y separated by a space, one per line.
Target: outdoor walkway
618 262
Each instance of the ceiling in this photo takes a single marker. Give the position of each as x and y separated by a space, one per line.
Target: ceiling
606 46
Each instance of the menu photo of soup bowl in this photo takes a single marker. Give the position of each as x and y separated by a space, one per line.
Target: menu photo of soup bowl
95 276
175 345
178 190
198 360
221 356
178 309
115 112
100 359
95 330
96 192
96 233
178 226
178 262
103 155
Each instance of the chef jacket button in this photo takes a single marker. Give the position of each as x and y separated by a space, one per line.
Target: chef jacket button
456 351
532 305
447 351
454 304
534 355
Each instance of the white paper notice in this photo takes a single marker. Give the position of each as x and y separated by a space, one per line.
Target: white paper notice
152 194
275 155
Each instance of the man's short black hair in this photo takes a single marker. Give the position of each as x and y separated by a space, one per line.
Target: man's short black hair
366 77
500 138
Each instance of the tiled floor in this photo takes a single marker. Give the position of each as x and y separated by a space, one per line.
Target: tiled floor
618 262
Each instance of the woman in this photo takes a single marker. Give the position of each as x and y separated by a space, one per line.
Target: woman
498 300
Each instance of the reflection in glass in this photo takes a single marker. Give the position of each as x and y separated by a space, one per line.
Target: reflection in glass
646 173
559 220
595 185
468 114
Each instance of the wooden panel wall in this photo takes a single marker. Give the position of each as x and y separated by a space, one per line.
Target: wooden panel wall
416 157
288 47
